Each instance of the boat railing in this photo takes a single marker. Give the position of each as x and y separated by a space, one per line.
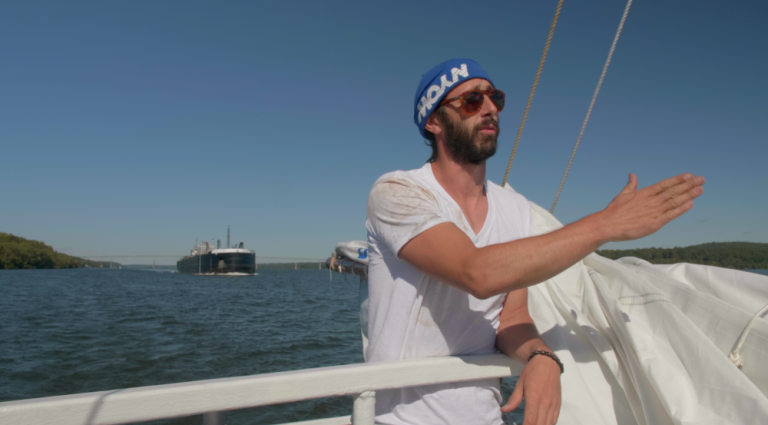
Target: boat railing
212 398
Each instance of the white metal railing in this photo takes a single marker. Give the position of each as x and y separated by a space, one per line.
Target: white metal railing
211 398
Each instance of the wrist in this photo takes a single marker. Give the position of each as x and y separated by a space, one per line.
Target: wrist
551 355
599 229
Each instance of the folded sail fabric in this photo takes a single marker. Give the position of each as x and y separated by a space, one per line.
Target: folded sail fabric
647 345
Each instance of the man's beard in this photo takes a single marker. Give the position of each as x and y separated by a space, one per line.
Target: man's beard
470 147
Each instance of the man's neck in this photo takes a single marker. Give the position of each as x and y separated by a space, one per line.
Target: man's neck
465 184
462 181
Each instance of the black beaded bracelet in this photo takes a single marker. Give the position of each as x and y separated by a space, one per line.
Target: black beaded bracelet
551 355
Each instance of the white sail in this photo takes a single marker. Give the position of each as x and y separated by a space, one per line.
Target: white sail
648 345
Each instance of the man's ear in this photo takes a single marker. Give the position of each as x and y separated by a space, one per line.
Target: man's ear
433 125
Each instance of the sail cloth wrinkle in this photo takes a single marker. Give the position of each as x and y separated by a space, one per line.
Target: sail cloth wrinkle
592 393
642 347
733 287
710 310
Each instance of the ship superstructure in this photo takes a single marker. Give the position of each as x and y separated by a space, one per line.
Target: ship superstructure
205 259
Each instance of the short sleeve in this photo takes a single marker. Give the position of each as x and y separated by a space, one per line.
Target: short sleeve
399 209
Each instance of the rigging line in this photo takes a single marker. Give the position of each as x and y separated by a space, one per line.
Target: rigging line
533 90
592 104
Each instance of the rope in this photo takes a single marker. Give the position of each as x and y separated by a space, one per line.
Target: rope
592 104
533 90
735 355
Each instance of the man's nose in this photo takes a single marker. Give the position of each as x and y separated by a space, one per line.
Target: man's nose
488 108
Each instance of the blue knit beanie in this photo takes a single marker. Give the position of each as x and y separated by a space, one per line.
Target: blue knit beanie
436 83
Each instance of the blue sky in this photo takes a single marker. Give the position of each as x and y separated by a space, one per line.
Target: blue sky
135 127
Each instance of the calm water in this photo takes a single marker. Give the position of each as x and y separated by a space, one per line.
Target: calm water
74 331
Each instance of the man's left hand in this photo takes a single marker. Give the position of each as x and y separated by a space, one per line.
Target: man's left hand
540 385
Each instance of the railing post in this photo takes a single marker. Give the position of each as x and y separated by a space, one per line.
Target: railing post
364 409
213 418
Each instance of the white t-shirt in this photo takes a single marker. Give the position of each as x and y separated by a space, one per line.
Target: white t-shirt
412 315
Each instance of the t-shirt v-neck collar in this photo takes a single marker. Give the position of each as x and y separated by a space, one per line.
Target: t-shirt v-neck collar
488 215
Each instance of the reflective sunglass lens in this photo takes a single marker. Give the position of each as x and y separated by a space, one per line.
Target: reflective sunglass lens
497 97
472 101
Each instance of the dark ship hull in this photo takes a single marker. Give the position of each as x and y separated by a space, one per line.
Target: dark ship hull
219 261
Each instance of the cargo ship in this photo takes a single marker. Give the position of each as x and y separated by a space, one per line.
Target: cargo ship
207 260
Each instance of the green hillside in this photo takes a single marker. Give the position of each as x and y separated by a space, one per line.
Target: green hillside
733 255
21 253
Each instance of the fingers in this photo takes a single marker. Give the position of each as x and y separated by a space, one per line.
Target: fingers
632 185
541 414
688 190
535 415
677 201
670 182
547 412
539 410
514 400
554 413
685 186
672 214
531 417
680 197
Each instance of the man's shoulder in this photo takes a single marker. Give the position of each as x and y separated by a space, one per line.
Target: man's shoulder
408 183
393 176
414 176
401 194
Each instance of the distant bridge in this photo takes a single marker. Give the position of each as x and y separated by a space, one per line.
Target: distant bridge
260 257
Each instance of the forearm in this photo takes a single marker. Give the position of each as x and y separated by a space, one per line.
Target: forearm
517 336
446 253
503 268
519 341
539 382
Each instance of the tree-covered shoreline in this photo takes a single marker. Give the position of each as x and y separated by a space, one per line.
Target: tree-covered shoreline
732 255
291 266
20 253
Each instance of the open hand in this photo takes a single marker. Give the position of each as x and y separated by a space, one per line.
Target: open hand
634 213
540 384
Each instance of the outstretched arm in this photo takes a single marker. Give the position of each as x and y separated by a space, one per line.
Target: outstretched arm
446 253
517 337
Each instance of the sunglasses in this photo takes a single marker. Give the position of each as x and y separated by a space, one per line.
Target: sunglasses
472 101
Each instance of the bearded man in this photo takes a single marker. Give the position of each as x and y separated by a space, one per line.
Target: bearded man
451 256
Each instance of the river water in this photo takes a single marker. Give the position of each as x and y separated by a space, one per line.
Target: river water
84 330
